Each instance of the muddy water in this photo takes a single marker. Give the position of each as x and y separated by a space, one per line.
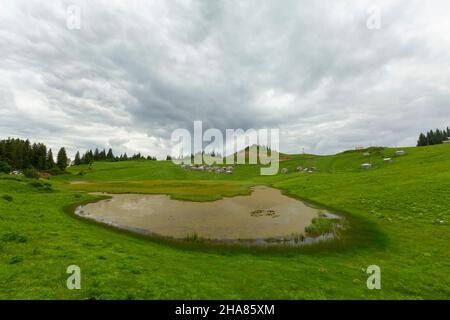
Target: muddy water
266 213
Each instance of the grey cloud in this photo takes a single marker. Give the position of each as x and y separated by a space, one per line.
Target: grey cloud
137 70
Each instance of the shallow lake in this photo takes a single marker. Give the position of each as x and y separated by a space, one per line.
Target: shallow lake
264 214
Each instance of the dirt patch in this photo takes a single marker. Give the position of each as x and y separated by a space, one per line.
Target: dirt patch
79 182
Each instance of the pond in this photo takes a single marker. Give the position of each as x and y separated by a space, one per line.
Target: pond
266 215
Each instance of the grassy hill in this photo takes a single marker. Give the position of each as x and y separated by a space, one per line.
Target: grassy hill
399 214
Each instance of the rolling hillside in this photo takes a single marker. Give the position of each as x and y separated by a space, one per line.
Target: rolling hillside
399 212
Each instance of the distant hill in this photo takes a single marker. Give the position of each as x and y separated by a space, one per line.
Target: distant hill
252 153
247 154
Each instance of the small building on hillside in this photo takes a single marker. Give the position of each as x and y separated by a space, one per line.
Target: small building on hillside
366 166
387 159
400 153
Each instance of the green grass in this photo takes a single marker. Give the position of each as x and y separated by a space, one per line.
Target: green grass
7 198
398 215
320 226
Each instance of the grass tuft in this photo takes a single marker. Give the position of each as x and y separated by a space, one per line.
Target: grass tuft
13 237
7 198
16 260
320 226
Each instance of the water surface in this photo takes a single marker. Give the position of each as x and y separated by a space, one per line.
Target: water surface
265 213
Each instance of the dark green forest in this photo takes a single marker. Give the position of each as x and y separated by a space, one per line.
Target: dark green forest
18 154
97 155
433 137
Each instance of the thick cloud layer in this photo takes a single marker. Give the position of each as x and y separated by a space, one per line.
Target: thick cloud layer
136 70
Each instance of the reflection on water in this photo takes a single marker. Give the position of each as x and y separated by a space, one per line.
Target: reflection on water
264 217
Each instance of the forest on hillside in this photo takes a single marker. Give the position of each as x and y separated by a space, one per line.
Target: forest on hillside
433 137
19 154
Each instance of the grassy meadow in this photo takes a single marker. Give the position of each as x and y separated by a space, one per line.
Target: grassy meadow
399 216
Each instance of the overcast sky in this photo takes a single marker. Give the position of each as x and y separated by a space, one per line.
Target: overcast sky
136 70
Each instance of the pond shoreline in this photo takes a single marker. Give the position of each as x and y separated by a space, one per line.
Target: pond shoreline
274 218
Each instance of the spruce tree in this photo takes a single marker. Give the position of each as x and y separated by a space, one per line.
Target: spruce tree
102 155
96 154
77 160
50 161
61 159
110 155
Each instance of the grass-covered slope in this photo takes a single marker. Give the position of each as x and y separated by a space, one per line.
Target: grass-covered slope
407 203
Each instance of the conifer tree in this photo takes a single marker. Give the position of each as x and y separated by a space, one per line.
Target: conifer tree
61 159
422 140
50 161
77 160
110 155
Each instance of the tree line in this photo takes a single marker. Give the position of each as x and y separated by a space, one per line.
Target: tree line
18 154
101 155
433 137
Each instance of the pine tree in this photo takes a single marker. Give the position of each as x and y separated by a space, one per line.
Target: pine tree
77 160
27 155
21 154
110 155
50 161
88 157
39 156
423 141
96 154
102 155
433 137
61 159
